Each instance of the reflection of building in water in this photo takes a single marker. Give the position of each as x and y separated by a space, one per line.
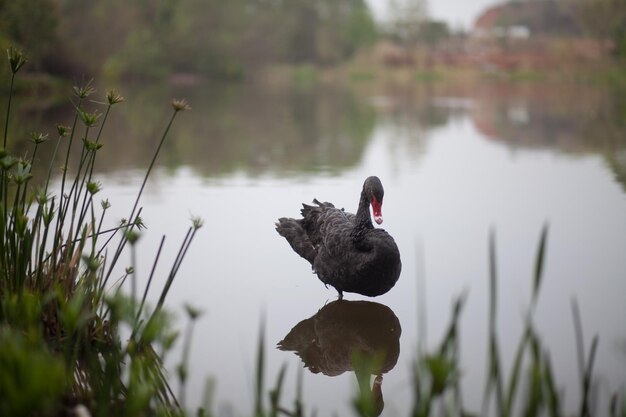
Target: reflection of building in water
357 336
617 163
526 34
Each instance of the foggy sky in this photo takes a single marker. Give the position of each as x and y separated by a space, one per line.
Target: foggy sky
457 13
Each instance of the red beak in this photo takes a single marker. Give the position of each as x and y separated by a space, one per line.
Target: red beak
377 209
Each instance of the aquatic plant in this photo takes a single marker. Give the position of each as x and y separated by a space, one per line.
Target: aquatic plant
62 316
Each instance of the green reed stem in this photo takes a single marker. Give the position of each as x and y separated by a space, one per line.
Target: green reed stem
54 155
93 157
179 258
152 162
494 373
6 122
260 372
122 243
184 366
539 264
528 336
63 204
75 190
585 367
25 191
92 161
275 394
149 283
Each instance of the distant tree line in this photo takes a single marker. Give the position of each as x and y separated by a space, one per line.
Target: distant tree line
156 37
603 19
233 39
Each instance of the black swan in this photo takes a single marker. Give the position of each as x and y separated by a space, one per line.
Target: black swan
345 250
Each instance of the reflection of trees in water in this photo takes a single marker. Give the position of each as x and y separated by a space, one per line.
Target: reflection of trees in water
349 336
614 137
253 129
262 130
616 161
573 119
235 128
409 113
418 109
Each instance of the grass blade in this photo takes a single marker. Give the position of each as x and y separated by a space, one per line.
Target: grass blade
554 403
585 368
578 330
585 409
494 375
539 263
277 391
260 371
515 373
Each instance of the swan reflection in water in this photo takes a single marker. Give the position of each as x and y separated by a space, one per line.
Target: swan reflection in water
358 336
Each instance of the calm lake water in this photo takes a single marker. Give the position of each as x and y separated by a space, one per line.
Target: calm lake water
457 162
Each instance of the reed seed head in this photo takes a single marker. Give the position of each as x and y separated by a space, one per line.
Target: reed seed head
7 162
85 90
94 187
41 196
139 223
22 172
113 97
192 312
17 59
93 263
91 145
131 236
89 119
63 130
38 137
180 105
197 222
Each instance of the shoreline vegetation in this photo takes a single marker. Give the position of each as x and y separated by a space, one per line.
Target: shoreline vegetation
365 72
78 338
303 43
64 299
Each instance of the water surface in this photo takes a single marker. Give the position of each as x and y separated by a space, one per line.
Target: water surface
458 162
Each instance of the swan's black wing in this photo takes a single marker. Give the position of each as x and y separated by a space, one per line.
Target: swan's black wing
292 230
319 224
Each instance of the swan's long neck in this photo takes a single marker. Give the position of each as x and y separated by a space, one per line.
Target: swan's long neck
363 217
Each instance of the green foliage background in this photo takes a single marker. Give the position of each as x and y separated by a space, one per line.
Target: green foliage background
153 38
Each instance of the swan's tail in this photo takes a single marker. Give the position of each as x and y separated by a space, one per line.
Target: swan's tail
319 207
291 229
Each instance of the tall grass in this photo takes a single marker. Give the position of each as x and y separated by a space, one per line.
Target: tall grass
530 389
61 313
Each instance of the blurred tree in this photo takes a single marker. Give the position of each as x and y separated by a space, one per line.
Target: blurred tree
30 25
407 16
303 39
431 32
328 31
604 20
94 32
152 38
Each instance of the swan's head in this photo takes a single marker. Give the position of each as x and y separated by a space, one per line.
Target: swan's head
375 192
